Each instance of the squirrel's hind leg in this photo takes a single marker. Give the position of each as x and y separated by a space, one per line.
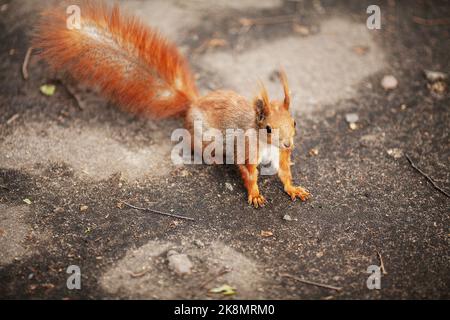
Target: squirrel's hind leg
249 174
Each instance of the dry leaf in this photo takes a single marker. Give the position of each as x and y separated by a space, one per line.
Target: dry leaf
174 223
48 89
27 201
83 208
313 152
301 30
360 50
120 205
214 43
225 289
246 22
438 87
47 286
266 234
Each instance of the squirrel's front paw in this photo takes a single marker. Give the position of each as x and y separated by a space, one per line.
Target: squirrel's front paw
256 200
295 192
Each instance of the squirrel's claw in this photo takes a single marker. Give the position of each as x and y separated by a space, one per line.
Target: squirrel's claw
300 192
257 200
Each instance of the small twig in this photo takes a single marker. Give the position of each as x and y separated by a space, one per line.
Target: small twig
428 177
4 187
311 282
157 212
13 118
214 277
139 274
25 63
383 269
431 22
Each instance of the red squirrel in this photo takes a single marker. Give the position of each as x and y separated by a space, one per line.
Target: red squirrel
144 73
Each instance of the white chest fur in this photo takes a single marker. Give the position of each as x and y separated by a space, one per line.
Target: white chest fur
269 155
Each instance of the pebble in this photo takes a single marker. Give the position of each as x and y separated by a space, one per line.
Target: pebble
395 153
369 138
353 126
433 76
287 217
58 210
179 262
389 82
351 117
184 173
229 186
199 243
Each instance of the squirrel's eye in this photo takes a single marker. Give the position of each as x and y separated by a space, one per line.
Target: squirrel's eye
295 124
269 129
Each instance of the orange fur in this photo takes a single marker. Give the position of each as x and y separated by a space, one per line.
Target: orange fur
144 73
249 173
132 64
264 95
287 94
284 173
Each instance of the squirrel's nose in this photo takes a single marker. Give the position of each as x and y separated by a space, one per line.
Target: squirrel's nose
287 145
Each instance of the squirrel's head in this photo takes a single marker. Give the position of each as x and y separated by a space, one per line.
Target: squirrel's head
275 115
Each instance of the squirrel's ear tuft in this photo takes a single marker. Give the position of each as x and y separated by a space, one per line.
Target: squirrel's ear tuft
287 94
262 104
262 110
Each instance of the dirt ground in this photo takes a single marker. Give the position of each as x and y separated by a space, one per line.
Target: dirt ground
74 161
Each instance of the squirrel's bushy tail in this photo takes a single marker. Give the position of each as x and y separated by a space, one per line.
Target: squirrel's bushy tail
132 64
